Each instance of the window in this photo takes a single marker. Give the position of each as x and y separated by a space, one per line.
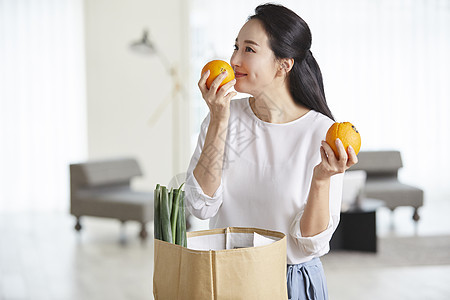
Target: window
42 102
385 66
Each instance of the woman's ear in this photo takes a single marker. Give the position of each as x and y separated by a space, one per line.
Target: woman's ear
286 65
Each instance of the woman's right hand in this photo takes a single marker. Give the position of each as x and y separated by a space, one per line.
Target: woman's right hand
218 100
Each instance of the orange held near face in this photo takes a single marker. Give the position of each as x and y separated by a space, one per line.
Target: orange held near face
216 67
347 133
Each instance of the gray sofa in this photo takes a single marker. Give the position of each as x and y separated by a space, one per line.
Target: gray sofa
102 189
382 180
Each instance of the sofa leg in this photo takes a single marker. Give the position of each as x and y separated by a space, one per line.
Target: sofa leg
416 216
122 234
392 220
416 219
78 225
143 233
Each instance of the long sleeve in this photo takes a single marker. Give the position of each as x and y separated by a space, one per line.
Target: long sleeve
198 203
319 244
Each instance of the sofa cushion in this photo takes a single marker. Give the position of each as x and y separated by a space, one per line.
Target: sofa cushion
394 193
123 204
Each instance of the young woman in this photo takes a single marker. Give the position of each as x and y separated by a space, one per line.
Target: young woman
262 161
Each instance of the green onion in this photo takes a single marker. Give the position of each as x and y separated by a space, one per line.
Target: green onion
174 216
165 216
169 215
179 240
183 241
156 214
170 202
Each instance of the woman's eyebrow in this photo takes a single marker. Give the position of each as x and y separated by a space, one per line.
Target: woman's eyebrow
250 42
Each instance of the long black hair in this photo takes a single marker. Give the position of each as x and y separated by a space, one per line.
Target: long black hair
290 37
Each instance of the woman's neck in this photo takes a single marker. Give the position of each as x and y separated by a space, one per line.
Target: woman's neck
278 107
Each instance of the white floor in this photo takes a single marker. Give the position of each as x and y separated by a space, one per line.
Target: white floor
418 282
425 282
41 257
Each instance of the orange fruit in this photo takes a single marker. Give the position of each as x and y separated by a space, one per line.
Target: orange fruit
347 133
216 67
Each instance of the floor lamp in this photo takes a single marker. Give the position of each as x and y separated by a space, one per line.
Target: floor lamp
146 47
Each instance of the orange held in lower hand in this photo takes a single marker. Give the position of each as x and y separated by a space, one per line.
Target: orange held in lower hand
348 135
216 67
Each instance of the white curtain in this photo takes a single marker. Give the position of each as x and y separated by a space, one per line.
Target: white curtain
386 68
42 102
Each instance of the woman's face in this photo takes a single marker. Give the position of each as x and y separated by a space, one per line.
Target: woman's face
253 62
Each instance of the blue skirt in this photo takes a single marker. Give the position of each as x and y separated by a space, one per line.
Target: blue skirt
306 281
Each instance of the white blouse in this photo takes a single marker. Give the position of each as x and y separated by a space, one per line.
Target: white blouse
266 178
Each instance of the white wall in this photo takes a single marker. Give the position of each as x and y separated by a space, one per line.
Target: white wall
124 88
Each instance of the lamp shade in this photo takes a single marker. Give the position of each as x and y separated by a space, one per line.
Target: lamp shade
144 45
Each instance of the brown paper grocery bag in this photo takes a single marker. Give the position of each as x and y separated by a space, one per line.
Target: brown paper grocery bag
222 264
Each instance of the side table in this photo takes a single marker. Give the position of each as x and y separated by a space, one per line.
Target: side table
357 227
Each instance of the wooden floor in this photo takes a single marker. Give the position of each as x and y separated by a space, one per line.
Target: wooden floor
42 257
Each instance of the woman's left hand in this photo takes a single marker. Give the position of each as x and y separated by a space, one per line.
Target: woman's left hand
332 165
